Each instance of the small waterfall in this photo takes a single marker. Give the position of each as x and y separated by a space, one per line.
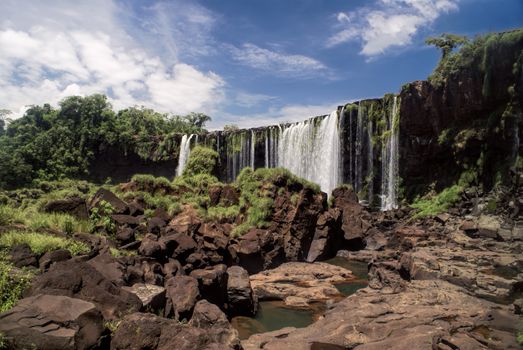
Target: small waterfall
390 159
266 148
370 164
185 150
312 151
358 182
253 144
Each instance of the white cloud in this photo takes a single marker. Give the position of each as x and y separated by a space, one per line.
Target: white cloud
55 50
245 99
388 23
284 114
277 62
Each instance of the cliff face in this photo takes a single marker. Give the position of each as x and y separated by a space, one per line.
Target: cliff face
462 125
469 123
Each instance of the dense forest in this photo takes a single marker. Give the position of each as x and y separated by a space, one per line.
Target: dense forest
54 143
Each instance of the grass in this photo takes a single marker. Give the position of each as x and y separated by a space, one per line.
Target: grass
118 253
437 204
35 220
220 213
41 243
202 160
167 202
13 282
151 183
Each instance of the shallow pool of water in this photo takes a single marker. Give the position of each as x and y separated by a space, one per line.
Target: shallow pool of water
271 316
274 315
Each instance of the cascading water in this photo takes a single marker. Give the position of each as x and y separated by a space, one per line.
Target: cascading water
312 151
185 150
390 171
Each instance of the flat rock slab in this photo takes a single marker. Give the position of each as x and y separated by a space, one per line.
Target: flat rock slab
52 322
298 283
427 315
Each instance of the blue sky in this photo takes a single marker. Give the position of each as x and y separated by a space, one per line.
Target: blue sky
245 62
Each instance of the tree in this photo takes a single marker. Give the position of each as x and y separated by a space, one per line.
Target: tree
197 119
446 42
230 127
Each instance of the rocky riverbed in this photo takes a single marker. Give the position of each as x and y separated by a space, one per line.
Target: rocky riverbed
181 281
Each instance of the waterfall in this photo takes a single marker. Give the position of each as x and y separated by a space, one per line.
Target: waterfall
358 182
266 148
312 151
370 163
253 143
390 159
185 150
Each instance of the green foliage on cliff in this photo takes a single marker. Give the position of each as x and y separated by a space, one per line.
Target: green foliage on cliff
482 54
53 144
41 243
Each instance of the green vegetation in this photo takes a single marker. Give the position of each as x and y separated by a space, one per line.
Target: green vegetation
101 217
152 184
41 243
13 282
447 43
202 160
220 213
431 205
118 253
54 144
35 220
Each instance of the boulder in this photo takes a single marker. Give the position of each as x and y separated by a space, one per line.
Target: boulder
21 255
172 268
155 225
54 256
125 235
353 225
212 283
182 293
178 246
78 279
127 220
327 237
186 222
74 206
240 296
157 333
151 247
119 206
152 297
48 322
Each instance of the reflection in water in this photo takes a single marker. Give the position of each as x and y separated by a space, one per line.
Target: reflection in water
274 315
271 316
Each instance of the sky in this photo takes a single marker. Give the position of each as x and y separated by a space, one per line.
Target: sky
243 62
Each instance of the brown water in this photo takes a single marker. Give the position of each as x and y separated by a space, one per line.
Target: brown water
274 315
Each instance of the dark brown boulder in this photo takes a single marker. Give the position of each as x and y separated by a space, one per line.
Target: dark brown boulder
212 283
110 267
125 235
172 268
128 220
186 222
55 256
50 322
208 316
178 246
214 195
240 296
74 206
182 293
327 237
229 196
151 247
119 206
386 277
78 279
155 225
157 333
258 250
353 225
21 255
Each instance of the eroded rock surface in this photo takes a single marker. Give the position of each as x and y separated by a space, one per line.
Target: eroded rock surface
298 284
426 315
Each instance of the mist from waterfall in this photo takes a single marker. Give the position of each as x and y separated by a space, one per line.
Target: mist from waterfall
312 151
390 158
185 150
